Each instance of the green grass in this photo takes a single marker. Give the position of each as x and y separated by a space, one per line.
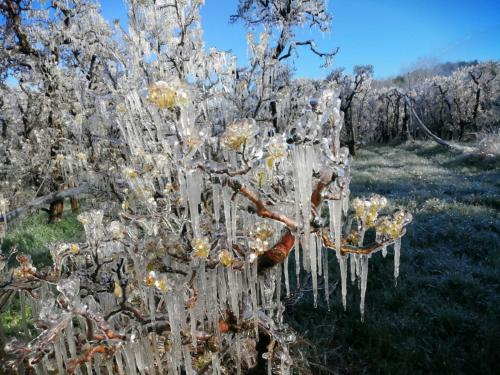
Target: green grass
31 235
444 315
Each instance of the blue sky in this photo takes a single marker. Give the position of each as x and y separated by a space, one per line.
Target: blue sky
392 35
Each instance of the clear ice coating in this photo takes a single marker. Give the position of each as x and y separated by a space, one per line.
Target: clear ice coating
335 212
397 254
364 281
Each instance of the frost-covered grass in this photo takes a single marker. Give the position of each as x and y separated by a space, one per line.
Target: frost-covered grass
444 315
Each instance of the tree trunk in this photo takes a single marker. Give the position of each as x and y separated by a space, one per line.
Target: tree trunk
56 211
405 134
351 142
75 205
476 109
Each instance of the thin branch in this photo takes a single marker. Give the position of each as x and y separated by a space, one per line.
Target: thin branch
49 198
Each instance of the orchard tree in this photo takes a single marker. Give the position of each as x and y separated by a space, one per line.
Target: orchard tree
57 52
352 87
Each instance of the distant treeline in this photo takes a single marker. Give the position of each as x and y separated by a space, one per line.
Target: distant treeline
456 101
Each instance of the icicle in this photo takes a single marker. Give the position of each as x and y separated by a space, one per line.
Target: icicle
384 251
337 223
59 359
233 291
221 287
22 303
234 209
319 256
314 274
279 306
139 359
325 277
216 202
238 357
226 198
345 201
130 360
62 346
297 261
216 369
335 211
352 259
119 363
187 360
397 253
358 264
109 367
194 185
364 281
343 278
70 338
287 281
303 161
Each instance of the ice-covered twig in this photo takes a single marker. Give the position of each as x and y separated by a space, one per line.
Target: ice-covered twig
260 208
347 248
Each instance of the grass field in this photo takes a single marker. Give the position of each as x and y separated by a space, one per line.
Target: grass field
444 315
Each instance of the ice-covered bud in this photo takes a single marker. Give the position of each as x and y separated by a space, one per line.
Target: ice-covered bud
74 248
118 291
162 283
240 134
261 178
150 278
392 226
201 247
276 151
116 230
262 231
225 258
130 173
259 246
165 95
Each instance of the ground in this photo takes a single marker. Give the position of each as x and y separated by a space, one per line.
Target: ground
444 315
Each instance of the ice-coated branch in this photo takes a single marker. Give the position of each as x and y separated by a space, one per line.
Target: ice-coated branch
348 248
278 253
312 48
88 355
259 206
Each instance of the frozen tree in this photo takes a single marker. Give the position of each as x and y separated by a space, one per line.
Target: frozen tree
210 181
59 53
352 87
